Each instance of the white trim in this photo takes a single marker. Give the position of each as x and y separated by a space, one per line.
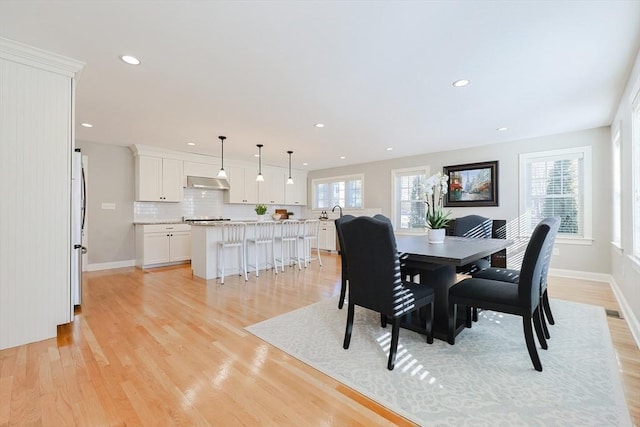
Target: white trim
635 262
111 265
625 308
632 321
573 241
38 58
617 248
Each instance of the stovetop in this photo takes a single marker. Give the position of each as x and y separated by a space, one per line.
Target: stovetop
202 218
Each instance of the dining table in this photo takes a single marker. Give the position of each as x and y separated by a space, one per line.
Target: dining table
436 263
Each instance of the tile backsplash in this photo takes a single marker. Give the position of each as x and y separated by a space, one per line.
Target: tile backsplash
197 203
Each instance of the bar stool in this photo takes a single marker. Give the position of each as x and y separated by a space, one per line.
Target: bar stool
309 231
288 237
233 236
263 233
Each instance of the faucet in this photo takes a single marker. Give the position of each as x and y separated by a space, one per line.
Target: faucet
339 207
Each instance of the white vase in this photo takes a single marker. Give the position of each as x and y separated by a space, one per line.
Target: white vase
260 218
436 235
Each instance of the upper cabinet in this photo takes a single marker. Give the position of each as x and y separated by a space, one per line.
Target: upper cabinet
158 179
243 187
296 193
271 191
206 170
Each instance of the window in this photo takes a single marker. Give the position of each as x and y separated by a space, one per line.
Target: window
345 191
557 183
408 211
616 221
635 172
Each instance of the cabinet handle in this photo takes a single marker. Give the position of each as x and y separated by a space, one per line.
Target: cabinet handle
167 235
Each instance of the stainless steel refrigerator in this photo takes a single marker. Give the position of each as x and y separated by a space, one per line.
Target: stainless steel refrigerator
78 212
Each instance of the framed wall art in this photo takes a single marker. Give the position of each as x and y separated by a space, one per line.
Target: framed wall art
473 184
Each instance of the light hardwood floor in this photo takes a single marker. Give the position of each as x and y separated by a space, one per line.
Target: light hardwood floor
159 347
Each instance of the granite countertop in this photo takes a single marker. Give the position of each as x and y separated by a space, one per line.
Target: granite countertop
154 222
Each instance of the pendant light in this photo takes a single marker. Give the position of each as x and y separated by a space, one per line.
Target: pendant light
290 180
259 178
221 173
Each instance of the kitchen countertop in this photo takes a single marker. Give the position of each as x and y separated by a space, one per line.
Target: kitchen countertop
166 221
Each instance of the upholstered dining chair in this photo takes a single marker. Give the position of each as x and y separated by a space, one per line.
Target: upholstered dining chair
343 259
375 282
522 300
513 276
473 226
409 271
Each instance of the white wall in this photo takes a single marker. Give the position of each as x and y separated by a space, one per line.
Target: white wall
592 258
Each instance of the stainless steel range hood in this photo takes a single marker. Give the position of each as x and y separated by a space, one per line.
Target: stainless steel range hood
207 183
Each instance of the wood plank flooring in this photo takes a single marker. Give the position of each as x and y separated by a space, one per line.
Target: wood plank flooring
159 347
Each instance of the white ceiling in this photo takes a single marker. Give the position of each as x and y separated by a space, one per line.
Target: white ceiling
378 74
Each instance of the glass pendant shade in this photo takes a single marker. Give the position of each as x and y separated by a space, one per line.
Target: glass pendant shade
290 180
259 178
221 173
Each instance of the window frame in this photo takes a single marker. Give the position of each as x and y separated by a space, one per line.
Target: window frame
336 179
635 171
395 202
616 187
587 171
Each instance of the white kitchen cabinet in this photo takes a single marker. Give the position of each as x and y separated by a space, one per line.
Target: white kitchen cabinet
160 244
158 179
327 236
296 193
36 145
243 187
271 191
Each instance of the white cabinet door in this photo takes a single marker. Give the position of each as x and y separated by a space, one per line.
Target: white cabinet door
158 179
172 180
180 246
156 248
271 191
243 187
327 236
296 193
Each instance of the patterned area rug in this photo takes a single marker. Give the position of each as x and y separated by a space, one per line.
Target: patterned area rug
485 379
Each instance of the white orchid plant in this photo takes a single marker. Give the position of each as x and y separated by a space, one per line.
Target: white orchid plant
436 187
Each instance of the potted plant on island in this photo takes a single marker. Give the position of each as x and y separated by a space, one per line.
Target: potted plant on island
261 210
436 219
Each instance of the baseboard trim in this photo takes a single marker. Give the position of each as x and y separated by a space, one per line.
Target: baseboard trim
110 265
627 313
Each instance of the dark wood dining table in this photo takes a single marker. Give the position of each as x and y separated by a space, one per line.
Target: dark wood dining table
436 264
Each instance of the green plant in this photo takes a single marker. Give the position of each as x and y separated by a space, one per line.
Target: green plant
435 190
261 209
289 213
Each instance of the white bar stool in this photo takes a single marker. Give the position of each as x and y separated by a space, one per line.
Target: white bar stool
233 236
288 237
263 235
309 231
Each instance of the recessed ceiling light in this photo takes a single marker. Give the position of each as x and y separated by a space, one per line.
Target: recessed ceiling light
86 125
342 157
501 129
389 148
319 125
132 60
461 83
305 164
256 155
191 143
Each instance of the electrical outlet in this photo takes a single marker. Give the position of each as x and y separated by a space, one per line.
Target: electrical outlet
556 251
109 206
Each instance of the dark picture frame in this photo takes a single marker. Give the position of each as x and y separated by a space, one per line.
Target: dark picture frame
473 184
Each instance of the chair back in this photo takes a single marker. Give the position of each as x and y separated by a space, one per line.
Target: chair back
233 233
473 226
310 228
289 229
374 268
343 247
263 231
535 259
548 253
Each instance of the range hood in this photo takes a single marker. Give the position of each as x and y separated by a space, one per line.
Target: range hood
207 183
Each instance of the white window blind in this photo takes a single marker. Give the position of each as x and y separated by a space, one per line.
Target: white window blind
344 191
557 183
409 207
